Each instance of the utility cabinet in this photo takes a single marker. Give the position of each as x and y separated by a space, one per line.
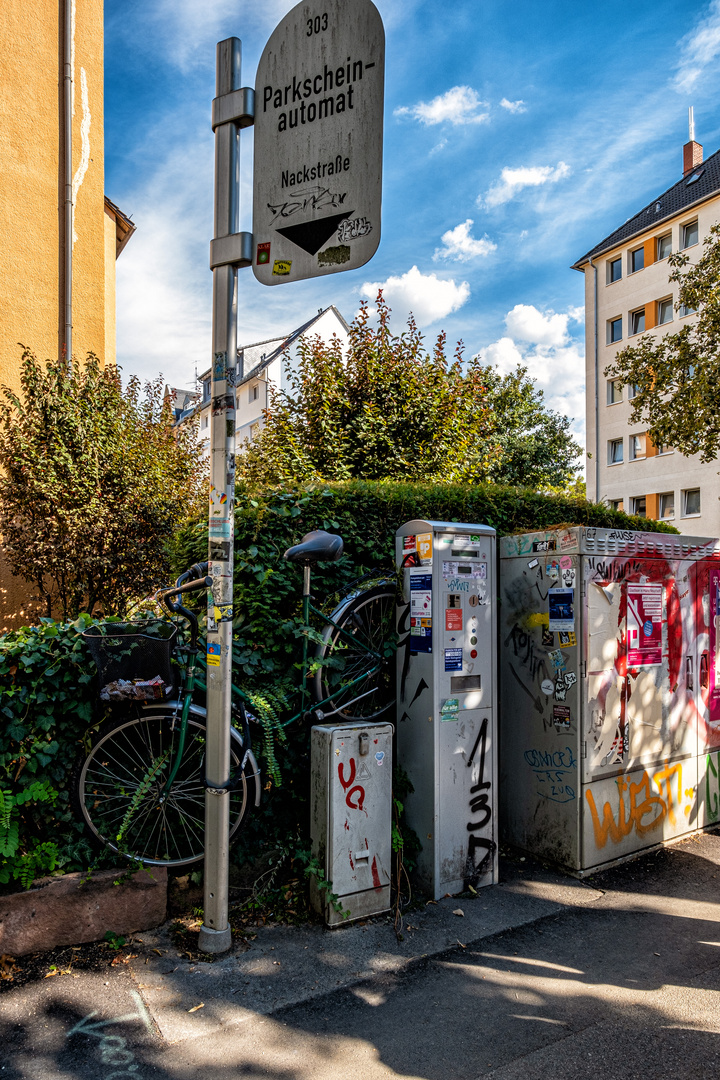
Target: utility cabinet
610 720
446 712
351 816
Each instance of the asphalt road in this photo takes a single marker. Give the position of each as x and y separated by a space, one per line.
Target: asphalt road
625 986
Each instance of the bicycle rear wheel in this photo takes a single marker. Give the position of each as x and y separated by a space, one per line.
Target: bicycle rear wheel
367 622
120 782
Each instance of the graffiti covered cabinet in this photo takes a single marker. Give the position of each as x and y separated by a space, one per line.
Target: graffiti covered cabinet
446 710
607 691
351 818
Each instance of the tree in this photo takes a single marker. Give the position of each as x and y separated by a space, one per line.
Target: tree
93 479
677 377
386 409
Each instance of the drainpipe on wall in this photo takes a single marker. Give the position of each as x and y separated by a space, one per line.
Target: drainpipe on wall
597 385
67 160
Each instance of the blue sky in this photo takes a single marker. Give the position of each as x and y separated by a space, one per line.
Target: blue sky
517 135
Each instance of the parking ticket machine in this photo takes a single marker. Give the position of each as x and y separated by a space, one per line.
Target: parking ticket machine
447 700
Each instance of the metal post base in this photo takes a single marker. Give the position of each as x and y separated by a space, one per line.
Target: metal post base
214 941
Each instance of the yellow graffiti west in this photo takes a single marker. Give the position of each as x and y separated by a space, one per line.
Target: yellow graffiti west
644 810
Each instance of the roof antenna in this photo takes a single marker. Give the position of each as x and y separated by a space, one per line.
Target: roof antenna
691 125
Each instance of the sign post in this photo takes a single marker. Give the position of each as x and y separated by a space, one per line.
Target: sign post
232 109
317 197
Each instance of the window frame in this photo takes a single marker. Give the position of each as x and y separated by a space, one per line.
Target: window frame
611 391
683 234
615 442
610 324
658 256
631 259
691 513
665 495
659 304
634 501
609 279
254 392
640 314
617 504
642 441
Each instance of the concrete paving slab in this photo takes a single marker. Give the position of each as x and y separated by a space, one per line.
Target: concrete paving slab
288 965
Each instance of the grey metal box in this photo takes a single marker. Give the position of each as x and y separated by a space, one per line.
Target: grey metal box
447 689
351 817
606 712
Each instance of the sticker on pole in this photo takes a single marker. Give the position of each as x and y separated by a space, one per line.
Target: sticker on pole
213 654
317 184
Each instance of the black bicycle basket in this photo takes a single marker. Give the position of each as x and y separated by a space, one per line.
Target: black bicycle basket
132 657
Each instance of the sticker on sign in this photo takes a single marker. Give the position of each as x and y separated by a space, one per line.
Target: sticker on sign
318 141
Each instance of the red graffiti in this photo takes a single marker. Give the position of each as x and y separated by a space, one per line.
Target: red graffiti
360 798
377 884
341 774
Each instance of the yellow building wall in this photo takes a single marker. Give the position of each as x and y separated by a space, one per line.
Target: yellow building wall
32 200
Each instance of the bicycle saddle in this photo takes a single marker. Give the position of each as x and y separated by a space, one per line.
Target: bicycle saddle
316 546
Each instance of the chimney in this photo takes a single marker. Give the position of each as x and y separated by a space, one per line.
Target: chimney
692 151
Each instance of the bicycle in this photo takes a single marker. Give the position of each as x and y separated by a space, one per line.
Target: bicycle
141 788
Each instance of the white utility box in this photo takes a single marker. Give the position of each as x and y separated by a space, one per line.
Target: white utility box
447 700
351 817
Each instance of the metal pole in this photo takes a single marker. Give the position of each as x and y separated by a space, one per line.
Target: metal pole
215 936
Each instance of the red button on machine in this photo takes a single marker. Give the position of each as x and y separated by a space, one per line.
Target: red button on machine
473 653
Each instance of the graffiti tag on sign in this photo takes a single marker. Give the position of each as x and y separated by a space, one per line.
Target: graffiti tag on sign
355 794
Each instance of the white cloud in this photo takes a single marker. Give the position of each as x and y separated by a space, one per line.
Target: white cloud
699 48
526 323
513 106
459 105
554 360
427 296
460 246
514 180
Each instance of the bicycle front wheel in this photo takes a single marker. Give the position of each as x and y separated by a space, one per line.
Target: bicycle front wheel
356 679
119 784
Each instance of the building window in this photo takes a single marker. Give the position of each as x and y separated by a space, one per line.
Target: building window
254 431
637 447
614 270
664 311
636 259
664 246
614 391
615 451
206 390
639 506
666 505
206 420
637 321
685 310
689 234
254 392
691 502
617 504
633 390
614 330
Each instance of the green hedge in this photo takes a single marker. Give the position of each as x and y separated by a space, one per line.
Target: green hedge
48 689
267 589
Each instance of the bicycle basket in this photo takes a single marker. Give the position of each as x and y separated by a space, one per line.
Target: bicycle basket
132 662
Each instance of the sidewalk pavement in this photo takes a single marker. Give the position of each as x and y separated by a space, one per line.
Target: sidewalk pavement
541 975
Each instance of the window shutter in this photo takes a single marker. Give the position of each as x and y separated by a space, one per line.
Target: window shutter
651 506
650 251
650 314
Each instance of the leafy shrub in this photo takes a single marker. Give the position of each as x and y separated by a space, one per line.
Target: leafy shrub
267 624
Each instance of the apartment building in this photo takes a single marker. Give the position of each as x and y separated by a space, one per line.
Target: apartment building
262 365
60 234
627 294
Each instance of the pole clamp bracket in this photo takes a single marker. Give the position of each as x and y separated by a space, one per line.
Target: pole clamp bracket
235 249
237 107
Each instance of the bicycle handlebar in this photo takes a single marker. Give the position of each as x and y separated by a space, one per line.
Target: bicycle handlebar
202 583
